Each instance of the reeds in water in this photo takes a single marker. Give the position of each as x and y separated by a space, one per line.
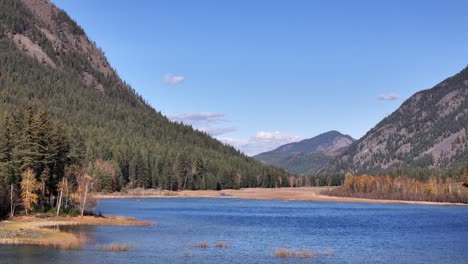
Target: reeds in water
293 253
202 244
220 244
115 247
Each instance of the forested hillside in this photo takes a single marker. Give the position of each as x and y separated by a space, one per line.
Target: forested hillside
429 130
47 64
308 155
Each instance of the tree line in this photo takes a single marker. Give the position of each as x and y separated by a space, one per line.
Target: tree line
45 165
403 188
40 165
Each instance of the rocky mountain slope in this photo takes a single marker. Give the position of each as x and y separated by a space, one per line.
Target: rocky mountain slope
308 155
430 129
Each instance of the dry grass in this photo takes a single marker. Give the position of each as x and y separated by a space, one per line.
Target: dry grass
115 247
85 220
139 193
29 230
113 221
284 253
220 244
292 253
287 193
298 193
169 193
19 234
202 244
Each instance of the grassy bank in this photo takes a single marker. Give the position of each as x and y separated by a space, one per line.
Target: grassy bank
317 194
30 230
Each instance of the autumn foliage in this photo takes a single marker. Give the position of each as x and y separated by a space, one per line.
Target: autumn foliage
401 188
29 188
465 176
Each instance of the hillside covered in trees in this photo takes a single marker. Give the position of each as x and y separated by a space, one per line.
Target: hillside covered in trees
47 64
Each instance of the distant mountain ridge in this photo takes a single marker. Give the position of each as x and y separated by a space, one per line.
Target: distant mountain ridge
308 155
327 142
428 130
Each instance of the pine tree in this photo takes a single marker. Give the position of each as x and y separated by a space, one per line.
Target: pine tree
24 152
8 170
40 139
57 156
6 142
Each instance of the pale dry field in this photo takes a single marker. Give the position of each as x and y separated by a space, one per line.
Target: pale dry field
287 194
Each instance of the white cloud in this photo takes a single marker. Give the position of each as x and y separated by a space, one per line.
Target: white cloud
273 136
388 97
261 142
204 121
209 122
173 79
197 117
233 141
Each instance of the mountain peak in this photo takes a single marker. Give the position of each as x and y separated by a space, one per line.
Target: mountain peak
308 155
47 34
327 142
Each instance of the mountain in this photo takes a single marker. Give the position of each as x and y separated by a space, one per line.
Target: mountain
307 155
328 142
430 129
48 63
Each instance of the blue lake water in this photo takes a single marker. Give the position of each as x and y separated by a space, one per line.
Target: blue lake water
254 229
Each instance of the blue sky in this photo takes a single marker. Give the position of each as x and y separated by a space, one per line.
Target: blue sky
258 74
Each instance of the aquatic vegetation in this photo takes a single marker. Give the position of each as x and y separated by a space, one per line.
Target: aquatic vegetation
293 253
220 244
115 247
202 244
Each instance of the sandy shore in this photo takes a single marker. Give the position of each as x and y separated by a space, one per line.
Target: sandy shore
288 194
30 230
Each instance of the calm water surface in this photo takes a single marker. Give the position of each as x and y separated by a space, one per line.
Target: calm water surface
356 232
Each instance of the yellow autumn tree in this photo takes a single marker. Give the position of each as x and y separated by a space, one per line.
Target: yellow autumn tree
29 187
279 180
431 187
83 195
465 176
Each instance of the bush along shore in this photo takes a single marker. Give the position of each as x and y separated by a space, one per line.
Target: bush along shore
402 188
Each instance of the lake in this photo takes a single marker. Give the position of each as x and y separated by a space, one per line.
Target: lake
254 229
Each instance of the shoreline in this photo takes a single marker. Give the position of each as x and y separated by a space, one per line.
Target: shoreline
311 194
32 230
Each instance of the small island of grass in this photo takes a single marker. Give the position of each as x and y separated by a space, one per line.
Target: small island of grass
32 230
